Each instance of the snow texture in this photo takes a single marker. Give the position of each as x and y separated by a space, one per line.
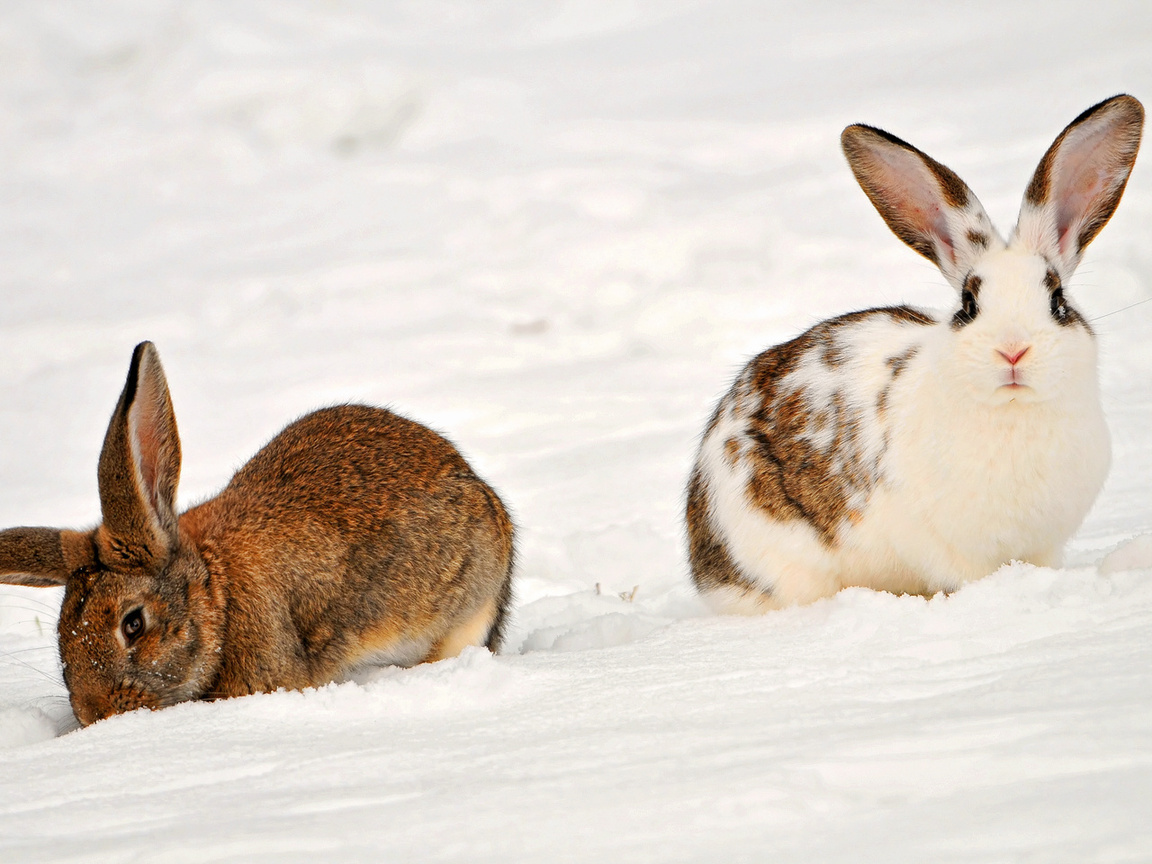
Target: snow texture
554 231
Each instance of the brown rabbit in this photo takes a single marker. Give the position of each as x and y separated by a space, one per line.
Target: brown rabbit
354 537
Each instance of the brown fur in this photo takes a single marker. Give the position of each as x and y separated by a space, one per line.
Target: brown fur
351 534
978 239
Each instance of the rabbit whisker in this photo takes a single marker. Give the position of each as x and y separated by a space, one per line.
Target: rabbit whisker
1122 309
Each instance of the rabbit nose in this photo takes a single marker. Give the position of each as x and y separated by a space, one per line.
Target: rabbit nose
85 712
89 709
1012 354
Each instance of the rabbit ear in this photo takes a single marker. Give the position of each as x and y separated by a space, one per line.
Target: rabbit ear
924 203
1078 183
43 557
140 468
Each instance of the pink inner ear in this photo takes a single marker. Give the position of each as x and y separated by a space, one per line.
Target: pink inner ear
148 451
1074 202
910 190
146 436
1089 164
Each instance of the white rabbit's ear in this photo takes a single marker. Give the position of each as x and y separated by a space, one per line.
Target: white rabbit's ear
924 203
140 468
1078 183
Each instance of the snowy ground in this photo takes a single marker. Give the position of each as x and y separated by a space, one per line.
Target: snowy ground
554 230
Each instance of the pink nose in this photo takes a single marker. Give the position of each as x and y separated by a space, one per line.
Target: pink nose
1013 357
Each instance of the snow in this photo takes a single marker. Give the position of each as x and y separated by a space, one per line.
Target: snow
554 231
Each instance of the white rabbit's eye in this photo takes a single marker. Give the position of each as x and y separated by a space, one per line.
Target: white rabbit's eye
132 625
968 310
1059 307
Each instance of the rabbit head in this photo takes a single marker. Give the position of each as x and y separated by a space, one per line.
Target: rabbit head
1015 334
141 623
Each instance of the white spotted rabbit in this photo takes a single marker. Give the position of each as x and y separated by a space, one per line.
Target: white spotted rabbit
910 452
353 537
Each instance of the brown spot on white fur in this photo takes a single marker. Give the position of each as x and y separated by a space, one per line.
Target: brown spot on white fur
899 362
712 567
732 451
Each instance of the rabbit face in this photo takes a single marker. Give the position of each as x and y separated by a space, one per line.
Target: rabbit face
1016 338
137 639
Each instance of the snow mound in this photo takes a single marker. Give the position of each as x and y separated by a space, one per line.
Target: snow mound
1135 554
22 726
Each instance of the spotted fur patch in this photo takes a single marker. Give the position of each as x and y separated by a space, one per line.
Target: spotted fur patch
977 238
712 566
810 461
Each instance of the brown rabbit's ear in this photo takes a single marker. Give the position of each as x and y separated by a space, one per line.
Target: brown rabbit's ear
924 203
43 557
140 468
1078 184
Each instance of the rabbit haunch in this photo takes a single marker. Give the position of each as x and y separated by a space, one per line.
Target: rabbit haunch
908 452
354 537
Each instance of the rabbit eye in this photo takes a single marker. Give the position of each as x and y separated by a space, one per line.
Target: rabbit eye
1059 307
132 625
968 309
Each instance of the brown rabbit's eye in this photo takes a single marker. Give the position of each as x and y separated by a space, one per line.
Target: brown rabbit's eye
132 625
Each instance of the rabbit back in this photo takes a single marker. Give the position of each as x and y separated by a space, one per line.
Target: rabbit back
354 537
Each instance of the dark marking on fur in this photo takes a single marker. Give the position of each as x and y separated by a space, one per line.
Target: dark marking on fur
969 308
1063 312
896 365
1038 187
791 477
903 314
899 362
977 238
731 451
712 567
833 353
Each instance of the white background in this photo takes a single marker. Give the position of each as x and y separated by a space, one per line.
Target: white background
554 231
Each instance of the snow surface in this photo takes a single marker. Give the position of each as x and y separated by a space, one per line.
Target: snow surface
555 230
